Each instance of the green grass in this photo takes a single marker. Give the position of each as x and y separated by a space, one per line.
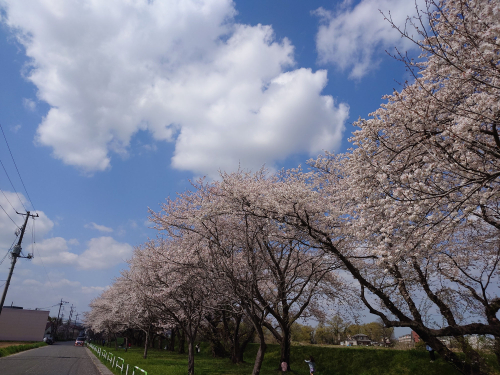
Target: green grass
19 348
329 361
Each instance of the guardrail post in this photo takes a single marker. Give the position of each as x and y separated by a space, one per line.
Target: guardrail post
117 366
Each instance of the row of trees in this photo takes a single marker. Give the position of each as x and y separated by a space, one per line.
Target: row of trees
336 330
214 269
407 222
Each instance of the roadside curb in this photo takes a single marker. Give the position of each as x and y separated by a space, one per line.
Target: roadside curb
100 366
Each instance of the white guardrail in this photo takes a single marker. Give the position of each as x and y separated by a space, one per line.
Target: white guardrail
114 360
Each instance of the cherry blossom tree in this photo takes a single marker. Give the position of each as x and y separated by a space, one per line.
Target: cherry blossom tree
406 210
123 306
432 154
103 317
403 285
174 287
276 275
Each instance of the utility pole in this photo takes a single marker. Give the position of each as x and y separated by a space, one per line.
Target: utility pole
57 321
16 253
69 322
74 326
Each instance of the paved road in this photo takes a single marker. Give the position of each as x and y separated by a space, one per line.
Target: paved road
58 359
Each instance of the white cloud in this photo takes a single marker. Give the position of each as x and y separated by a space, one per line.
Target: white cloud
31 282
37 292
353 38
29 104
16 128
53 251
104 252
100 228
62 283
93 289
183 70
101 253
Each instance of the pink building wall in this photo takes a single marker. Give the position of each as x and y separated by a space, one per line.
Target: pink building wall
22 325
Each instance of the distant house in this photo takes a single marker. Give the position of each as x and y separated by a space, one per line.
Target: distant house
357 340
409 339
362 339
405 339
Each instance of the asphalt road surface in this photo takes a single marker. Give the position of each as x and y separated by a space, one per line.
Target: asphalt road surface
62 358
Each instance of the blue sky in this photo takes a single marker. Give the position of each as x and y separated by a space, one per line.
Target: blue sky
110 107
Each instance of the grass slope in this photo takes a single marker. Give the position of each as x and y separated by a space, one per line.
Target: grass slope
330 361
19 348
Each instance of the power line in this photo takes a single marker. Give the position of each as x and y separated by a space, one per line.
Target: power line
13 188
5 256
8 216
19 174
8 200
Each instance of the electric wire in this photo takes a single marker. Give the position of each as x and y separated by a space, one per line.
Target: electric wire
7 199
11 184
11 219
5 256
8 251
19 174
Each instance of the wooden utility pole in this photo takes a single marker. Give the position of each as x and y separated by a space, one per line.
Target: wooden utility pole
74 326
69 323
16 253
57 321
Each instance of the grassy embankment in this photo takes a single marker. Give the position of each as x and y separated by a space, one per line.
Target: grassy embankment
6 350
330 361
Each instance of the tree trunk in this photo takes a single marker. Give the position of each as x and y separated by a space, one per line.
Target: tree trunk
214 336
286 336
462 366
243 346
218 350
152 341
116 342
260 353
236 354
172 340
235 342
182 340
146 346
190 356
471 355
